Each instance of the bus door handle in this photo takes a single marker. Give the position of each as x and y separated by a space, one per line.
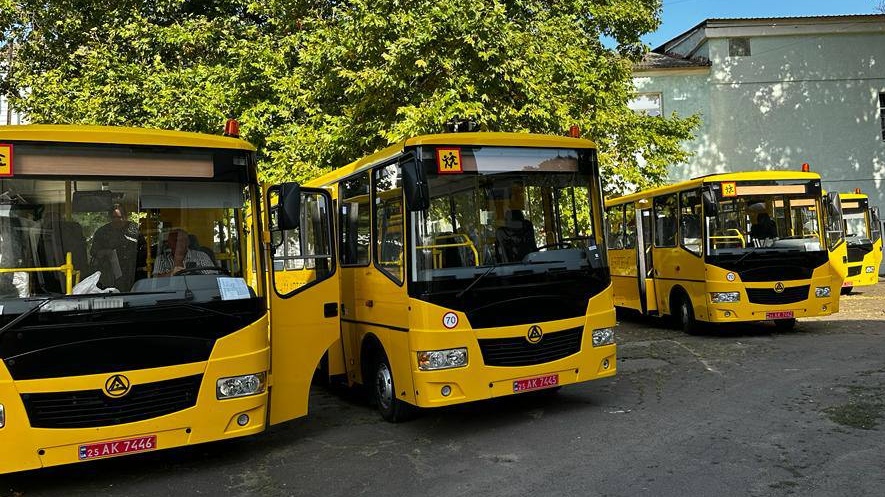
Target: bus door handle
330 309
370 303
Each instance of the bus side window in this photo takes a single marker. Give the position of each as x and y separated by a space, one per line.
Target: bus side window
302 256
389 239
690 221
353 219
615 217
629 226
665 220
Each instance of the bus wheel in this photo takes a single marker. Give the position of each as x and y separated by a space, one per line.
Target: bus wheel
785 324
384 394
687 322
846 290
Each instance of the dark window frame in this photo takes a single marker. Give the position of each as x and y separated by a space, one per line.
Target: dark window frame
342 249
375 238
660 234
739 46
681 234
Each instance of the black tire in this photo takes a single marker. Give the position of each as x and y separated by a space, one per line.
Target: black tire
685 316
846 290
383 392
785 324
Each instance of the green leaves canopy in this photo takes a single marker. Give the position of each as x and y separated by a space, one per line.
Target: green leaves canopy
317 84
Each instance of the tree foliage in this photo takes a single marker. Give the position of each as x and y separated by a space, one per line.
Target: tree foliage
318 83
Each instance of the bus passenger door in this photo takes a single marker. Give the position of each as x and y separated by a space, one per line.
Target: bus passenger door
645 262
303 294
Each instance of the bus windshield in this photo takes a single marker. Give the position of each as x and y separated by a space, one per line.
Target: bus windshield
768 215
129 242
508 212
857 225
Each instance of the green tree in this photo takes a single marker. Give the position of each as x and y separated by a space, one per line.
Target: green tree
318 83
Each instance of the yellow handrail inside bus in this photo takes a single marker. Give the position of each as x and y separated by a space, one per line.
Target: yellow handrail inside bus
437 253
67 268
730 238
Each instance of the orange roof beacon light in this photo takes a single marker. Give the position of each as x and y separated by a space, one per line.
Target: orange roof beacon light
805 167
574 131
232 128
857 190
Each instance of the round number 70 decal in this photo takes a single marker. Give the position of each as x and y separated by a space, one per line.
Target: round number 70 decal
450 320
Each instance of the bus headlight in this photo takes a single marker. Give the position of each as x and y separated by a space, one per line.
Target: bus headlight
869 269
2 416
240 386
429 360
822 291
724 297
603 336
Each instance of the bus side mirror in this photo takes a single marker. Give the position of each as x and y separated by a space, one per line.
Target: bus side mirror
415 184
711 207
289 206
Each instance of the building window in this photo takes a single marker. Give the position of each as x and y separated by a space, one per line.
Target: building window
646 103
882 113
738 47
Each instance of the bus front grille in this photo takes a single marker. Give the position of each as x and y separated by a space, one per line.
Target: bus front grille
92 408
854 271
768 296
518 351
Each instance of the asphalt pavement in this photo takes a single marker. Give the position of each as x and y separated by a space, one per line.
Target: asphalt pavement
748 410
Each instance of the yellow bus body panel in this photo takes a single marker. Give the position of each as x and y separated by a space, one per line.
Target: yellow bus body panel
210 419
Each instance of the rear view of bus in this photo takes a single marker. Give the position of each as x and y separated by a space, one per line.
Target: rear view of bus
127 324
864 239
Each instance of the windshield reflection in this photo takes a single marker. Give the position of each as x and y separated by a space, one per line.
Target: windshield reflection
91 237
761 219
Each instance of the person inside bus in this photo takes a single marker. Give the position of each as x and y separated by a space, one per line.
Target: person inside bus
516 238
178 256
765 228
119 251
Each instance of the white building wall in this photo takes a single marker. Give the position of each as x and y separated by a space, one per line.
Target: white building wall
808 98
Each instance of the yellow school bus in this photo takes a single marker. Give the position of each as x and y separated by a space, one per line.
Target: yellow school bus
133 297
864 239
749 246
471 266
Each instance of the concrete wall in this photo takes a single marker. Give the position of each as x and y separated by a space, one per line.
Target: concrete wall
808 98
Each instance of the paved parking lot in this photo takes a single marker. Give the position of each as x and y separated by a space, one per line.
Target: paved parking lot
744 411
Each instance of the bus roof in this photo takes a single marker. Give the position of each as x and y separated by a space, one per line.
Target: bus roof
463 139
118 135
853 196
713 178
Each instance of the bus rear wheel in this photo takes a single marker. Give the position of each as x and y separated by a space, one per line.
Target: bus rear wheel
846 290
384 394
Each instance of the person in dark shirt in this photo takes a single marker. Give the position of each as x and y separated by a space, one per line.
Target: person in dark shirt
119 251
764 228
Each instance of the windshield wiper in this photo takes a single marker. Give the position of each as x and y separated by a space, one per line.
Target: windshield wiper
180 303
475 281
21 317
486 273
